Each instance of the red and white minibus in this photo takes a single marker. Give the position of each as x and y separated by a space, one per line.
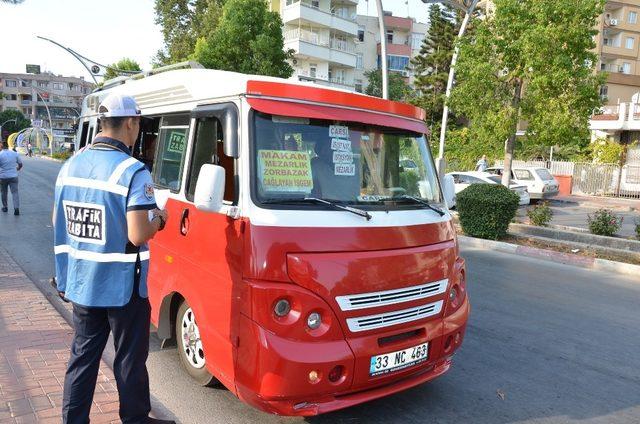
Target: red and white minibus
309 262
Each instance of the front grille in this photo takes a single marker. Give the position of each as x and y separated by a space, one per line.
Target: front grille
388 319
391 297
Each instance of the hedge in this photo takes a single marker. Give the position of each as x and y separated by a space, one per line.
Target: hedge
485 210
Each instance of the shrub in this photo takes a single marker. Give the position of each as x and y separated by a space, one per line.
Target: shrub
485 210
61 155
637 222
604 222
540 215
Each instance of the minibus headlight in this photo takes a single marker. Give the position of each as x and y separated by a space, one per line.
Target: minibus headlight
314 320
282 308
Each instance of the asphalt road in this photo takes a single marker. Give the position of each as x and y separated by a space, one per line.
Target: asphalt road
546 343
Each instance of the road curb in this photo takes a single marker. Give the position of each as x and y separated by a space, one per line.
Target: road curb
552 256
49 158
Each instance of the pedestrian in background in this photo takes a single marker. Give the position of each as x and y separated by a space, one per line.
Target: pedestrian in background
29 150
103 201
482 164
10 164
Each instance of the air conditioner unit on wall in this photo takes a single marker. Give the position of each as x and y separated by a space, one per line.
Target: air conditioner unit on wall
613 22
405 74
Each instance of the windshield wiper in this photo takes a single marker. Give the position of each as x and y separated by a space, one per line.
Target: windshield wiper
337 206
422 202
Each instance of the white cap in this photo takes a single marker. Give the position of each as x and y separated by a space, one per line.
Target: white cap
118 106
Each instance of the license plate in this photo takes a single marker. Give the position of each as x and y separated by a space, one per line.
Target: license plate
399 360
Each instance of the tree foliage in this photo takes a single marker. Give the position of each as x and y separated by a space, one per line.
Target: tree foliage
11 127
183 22
431 65
605 151
124 64
399 91
544 46
248 39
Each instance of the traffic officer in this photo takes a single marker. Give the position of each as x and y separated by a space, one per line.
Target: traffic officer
104 214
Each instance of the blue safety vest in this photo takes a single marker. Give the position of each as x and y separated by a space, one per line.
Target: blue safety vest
95 263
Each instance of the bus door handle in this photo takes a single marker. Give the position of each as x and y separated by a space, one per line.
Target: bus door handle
184 222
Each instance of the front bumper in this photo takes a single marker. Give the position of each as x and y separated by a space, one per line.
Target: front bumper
273 373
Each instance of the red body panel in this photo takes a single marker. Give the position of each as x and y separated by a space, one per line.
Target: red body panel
204 267
334 98
303 110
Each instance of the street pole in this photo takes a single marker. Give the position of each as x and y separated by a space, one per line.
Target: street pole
15 121
440 162
37 90
383 51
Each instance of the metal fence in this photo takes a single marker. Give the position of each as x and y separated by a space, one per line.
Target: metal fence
594 179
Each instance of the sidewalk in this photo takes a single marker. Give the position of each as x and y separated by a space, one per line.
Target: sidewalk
34 349
599 202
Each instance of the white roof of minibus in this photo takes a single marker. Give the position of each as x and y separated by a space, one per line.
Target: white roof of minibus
192 85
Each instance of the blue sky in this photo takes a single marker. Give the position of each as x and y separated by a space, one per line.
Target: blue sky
104 31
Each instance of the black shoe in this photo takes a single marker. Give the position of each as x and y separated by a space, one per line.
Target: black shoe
5 209
16 211
158 421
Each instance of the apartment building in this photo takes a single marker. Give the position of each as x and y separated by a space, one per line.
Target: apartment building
404 37
33 93
617 47
322 34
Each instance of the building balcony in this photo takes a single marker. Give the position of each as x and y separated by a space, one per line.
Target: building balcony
397 49
305 12
306 43
398 23
303 75
621 117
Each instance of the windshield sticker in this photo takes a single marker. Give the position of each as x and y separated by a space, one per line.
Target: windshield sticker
345 169
338 131
283 170
342 157
176 142
85 222
338 144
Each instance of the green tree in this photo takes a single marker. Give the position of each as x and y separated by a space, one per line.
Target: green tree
530 61
11 127
124 64
431 65
183 22
398 88
248 39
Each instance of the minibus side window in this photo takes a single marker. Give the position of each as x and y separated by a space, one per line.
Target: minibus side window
172 139
84 135
208 149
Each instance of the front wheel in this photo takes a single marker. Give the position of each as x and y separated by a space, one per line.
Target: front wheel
190 348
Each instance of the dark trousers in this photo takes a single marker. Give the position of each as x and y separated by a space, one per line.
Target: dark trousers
7 184
130 327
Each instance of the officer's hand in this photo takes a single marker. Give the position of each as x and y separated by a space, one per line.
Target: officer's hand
163 214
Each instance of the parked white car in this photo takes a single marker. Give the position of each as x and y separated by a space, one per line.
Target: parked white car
462 180
539 181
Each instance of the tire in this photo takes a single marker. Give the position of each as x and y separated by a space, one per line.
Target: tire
190 348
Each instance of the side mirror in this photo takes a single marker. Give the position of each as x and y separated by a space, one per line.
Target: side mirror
210 188
449 191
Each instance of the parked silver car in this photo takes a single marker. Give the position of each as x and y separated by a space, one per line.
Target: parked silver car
539 181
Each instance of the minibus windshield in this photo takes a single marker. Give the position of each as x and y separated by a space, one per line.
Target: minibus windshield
341 162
